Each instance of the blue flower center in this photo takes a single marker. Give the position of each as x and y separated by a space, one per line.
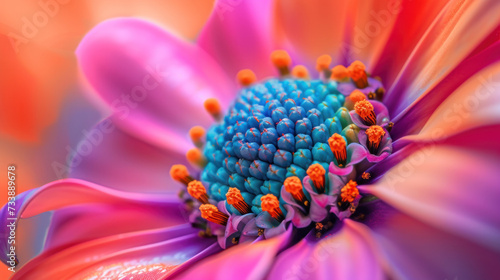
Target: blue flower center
273 130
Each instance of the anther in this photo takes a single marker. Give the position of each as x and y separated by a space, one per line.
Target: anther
365 175
234 198
349 192
355 96
300 71
293 186
365 110
390 126
338 145
180 173
197 191
196 133
281 60
270 204
196 158
316 173
213 107
339 73
375 134
246 77
210 213
357 73
323 65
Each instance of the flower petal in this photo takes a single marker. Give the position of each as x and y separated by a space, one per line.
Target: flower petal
112 158
455 33
455 190
238 36
172 247
312 29
245 261
413 249
475 103
154 82
347 254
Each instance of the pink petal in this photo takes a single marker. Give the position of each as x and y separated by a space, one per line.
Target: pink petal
451 189
245 261
455 33
475 103
238 36
154 82
172 247
120 161
347 254
413 249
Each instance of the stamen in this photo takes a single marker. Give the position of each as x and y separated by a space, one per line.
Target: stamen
365 175
234 197
210 213
300 71
270 204
355 96
338 146
246 77
323 65
180 173
197 191
195 157
281 60
316 173
375 134
339 73
365 110
196 133
213 107
293 185
349 192
357 73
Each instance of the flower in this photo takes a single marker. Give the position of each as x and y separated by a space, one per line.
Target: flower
415 215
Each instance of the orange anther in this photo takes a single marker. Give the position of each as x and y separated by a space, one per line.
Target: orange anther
323 62
213 107
338 145
339 73
300 71
316 173
180 173
365 110
197 190
212 214
349 192
270 204
357 73
196 133
246 77
195 157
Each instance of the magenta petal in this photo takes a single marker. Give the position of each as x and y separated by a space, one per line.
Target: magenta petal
154 82
245 261
413 249
347 254
238 35
341 171
452 189
120 161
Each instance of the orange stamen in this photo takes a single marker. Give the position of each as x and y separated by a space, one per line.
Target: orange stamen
365 110
338 146
349 192
195 157
300 71
357 73
281 60
355 96
197 190
293 186
246 77
375 134
339 73
180 173
316 173
213 107
234 197
270 204
210 213
365 175
196 133
323 65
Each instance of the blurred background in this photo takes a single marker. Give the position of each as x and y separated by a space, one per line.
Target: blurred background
44 106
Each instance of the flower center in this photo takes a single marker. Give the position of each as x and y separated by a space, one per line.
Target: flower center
283 142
